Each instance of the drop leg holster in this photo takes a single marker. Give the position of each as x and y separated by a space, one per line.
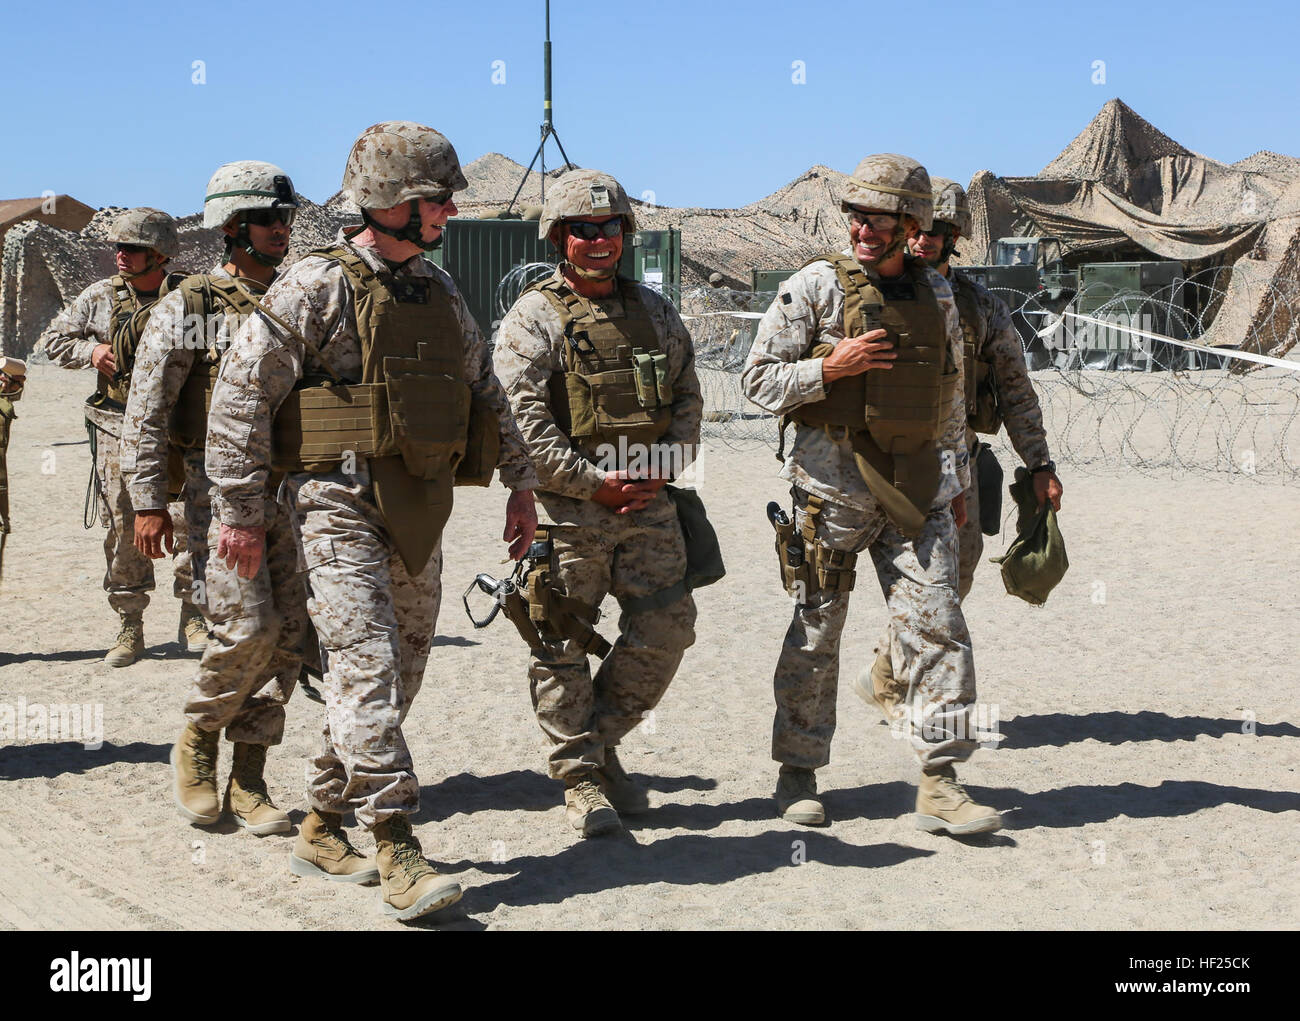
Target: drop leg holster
541 613
808 565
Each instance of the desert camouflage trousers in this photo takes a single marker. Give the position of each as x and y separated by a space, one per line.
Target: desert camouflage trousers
929 644
129 575
630 556
256 626
375 622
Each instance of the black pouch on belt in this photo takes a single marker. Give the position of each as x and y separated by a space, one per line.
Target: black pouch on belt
988 476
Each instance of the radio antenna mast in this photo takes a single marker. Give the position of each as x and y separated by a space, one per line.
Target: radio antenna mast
548 125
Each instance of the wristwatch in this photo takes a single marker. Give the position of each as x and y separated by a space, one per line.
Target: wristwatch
1046 466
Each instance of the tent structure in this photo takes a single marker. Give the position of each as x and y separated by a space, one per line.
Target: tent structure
1124 190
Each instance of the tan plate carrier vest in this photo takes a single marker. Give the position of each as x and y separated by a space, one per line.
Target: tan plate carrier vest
412 416
892 417
983 410
206 296
126 322
615 382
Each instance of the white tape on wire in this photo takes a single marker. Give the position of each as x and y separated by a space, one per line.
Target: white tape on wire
1230 352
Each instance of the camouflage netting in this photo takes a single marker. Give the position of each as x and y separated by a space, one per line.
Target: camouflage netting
1124 187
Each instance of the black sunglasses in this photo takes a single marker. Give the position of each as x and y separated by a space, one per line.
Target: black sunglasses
266 217
591 231
126 249
440 199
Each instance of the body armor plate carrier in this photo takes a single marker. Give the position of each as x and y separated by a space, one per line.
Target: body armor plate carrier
411 416
615 382
892 417
983 411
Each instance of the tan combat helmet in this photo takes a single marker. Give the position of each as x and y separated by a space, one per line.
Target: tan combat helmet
585 193
147 227
896 184
951 205
400 161
246 185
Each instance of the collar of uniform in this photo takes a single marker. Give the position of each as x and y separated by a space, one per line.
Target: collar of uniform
416 265
603 308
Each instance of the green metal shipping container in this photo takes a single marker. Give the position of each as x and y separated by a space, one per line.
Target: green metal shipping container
481 254
769 279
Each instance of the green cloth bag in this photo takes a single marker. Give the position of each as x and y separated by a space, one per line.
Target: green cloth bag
1035 562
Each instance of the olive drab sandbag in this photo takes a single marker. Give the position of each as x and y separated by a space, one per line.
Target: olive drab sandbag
409 416
615 384
983 407
1035 562
893 419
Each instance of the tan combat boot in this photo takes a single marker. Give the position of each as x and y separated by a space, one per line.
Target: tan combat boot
943 806
885 692
192 632
625 795
587 809
246 795
194 775
796 796
411 886
130 641
323 852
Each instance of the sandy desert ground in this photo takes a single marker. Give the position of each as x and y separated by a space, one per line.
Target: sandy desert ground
1147 772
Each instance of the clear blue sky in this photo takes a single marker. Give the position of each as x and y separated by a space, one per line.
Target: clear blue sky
692 99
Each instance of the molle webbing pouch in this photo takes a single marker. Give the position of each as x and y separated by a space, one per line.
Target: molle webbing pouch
189 424
983 412
616 380
320 423
428 417
482 446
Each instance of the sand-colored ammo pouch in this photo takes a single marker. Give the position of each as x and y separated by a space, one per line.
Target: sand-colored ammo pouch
615 382
983 407
807 564
410 417
893 417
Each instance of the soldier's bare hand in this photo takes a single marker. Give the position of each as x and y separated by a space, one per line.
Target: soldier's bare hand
959 510
855 355
521 522
242 548
1048 487
623 494
102 359
153 529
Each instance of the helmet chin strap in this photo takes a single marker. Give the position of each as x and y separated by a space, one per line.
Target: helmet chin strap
156 264
246 243
593 274
410 231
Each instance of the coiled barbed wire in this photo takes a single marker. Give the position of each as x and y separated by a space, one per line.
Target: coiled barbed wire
1109 402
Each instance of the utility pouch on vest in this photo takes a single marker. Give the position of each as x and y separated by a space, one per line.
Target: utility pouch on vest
652 387
189 424
482 447
318 425
429 416
988 477
609 404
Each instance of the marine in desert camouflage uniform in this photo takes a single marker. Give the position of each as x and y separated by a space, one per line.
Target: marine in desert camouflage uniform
998 388
250 667
825 337
101 328
373 574
614 529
